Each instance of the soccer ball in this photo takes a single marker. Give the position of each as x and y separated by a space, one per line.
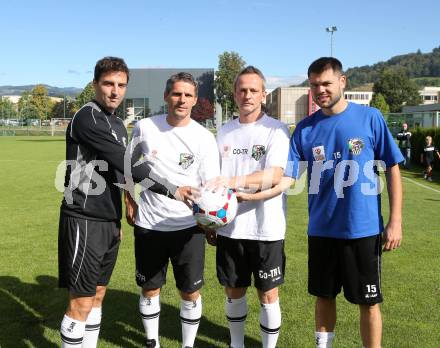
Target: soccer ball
215 209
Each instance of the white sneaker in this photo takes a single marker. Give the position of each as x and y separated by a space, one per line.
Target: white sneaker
425 176
429 179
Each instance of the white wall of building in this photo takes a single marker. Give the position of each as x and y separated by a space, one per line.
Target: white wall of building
430 95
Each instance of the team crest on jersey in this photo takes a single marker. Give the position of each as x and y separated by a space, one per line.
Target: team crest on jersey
318 153
258 151
186 159
355 146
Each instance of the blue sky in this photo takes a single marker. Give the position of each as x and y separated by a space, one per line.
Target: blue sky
59 42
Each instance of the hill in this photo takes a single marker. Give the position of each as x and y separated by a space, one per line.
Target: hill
52 91
423 68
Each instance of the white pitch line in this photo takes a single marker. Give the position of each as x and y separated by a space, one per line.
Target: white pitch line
421 185
26 160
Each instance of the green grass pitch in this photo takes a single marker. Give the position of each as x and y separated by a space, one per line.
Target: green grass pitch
31 305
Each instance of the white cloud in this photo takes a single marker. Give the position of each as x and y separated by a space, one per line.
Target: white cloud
284 81
73 72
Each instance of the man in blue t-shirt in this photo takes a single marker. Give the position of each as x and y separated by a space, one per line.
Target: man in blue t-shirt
343 146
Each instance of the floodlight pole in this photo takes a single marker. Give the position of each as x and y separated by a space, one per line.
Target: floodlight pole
331 30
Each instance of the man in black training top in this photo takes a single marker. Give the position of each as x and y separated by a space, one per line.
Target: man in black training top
90 218
404 137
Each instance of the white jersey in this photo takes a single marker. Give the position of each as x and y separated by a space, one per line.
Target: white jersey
247 148
186 156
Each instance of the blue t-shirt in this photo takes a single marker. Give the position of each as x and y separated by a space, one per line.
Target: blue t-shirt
340 154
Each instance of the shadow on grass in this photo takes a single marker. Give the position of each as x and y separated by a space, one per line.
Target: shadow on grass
28 309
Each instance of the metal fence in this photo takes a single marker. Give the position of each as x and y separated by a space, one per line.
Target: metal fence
54 127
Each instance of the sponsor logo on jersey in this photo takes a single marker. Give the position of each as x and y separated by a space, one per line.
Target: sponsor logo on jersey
240 151
318 153
186 159
355 146
258 151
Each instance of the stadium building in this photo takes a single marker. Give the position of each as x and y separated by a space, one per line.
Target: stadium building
291 104
424 116
430 95
145 90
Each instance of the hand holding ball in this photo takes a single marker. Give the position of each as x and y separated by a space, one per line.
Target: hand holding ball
214 209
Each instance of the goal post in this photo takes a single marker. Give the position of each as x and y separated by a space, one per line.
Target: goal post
58 126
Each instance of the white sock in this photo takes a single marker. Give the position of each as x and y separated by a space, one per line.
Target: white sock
270 323
190 315
236 313
149 307
72 332
93 324
324 339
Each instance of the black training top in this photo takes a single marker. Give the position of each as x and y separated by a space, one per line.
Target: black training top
96 141
404 138
429 153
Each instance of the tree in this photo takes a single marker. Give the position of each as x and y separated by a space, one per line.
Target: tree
229 65
397 89
7 109
40 102
25 108
378 101
202 110
87 94
63 108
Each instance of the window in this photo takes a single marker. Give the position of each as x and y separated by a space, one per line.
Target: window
129 103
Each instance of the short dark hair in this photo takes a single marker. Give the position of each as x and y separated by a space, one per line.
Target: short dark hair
250 70
182 76
324 63
110 64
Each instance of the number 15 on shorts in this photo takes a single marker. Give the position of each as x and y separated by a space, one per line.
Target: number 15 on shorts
371 291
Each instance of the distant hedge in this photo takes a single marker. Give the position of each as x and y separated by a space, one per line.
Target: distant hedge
418 141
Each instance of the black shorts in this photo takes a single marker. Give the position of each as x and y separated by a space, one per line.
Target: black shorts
87 252
185 249
238 259
354 264
429 162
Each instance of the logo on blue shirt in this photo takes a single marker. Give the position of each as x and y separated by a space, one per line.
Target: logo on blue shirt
355 146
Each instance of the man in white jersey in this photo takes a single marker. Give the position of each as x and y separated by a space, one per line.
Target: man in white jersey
181 150
253 151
